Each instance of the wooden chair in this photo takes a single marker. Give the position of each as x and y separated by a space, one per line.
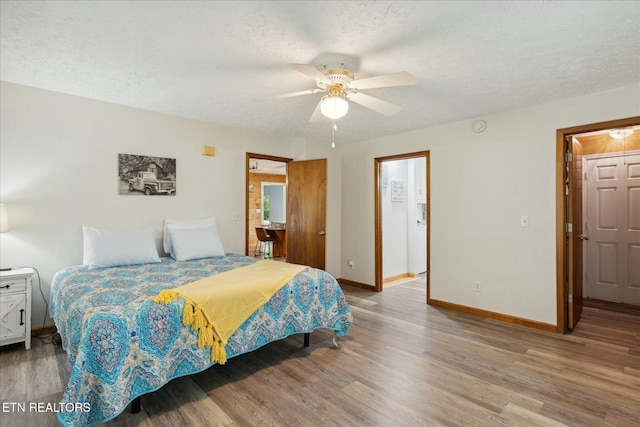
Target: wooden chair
264 240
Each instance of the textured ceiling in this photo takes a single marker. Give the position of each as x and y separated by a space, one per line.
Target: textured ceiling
222 61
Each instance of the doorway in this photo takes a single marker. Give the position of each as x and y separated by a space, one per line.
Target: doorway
570 236
261 169
402 201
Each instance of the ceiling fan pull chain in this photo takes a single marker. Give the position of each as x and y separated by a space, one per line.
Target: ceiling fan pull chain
334 128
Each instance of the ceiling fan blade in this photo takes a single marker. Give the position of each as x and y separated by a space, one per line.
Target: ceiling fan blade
302 92
375 104
386 80
317 115
311 72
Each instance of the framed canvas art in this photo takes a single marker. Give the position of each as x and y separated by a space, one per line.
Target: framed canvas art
146 175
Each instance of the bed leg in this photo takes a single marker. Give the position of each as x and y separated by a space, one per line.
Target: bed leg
306 339
135 405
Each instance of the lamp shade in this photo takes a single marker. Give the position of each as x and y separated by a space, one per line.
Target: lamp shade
334 107
4 220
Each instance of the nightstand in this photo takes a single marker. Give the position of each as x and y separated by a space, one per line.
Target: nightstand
15 306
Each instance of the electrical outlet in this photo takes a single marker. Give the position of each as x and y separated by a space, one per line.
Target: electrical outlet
235 216
351 264
476 286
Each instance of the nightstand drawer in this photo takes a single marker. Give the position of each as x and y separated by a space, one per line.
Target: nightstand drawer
12 285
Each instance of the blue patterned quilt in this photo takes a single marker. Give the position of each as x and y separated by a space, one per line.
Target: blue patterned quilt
121 345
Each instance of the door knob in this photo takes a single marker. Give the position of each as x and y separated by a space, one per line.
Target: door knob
583 237
322 233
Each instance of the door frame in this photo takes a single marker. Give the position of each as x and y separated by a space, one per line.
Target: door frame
248 158
565 214
378 161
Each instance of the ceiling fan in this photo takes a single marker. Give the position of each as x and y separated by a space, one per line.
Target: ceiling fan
340 85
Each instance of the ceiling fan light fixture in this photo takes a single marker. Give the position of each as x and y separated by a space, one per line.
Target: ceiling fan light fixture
342 89
620 133
334 107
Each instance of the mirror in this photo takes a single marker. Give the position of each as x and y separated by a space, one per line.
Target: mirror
274 204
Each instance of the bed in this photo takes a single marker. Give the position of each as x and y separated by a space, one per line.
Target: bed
121 344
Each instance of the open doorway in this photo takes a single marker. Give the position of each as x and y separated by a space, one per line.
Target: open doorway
265 199
573 147
611 215
402 223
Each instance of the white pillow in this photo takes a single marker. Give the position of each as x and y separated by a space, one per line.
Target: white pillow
177 224
105 247
194 243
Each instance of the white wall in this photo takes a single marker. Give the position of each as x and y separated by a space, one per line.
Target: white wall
481 183
58 170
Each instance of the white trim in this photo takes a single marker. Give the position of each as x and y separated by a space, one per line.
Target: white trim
607 155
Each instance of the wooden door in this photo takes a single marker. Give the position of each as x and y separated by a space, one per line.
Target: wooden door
307 212
613 228
574 240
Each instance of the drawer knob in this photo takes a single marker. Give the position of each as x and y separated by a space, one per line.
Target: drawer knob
5 287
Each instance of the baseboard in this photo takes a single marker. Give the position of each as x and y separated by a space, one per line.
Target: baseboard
399 276
356 284
495 316
44 330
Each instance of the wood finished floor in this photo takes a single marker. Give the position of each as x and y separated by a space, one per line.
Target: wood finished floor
403 363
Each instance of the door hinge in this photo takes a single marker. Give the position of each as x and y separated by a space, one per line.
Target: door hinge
570 298
568 156
569 227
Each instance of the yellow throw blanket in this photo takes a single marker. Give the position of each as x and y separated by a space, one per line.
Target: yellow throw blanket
216 306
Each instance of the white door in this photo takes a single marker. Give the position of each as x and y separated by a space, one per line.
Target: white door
612 215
